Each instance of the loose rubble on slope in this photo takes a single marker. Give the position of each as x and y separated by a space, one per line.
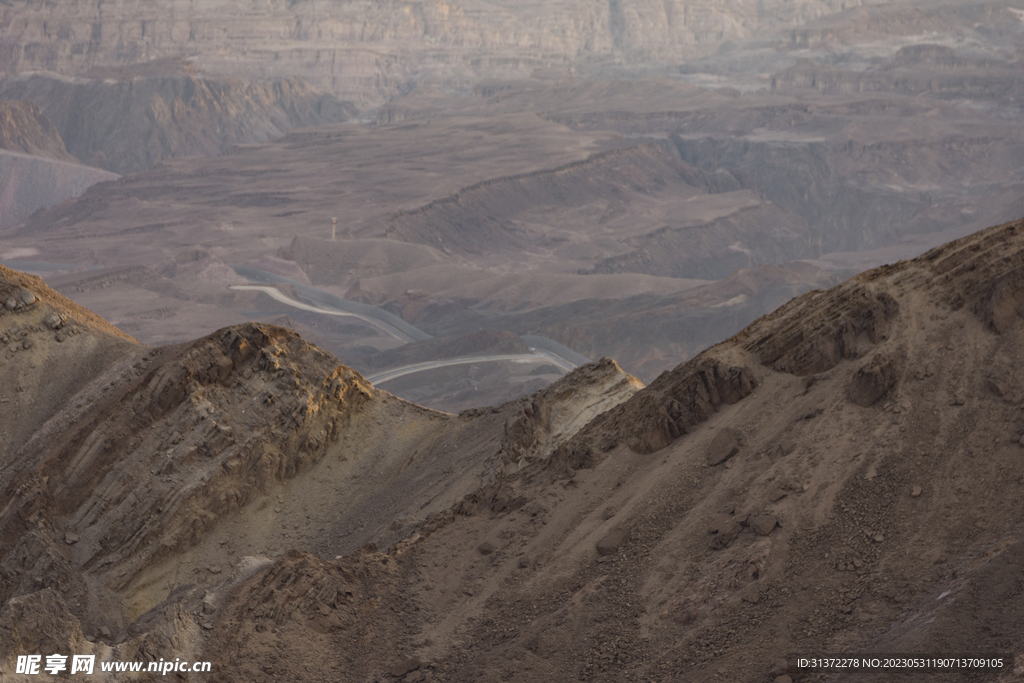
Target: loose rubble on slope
842 476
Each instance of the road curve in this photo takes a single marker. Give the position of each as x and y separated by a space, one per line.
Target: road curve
393 373
537 352
277 294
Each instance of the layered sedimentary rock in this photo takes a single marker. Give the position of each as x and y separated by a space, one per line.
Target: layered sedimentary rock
845 472
24 129
368 50
131 124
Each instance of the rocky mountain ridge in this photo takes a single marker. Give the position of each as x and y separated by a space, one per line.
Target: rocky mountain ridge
118 473
812 484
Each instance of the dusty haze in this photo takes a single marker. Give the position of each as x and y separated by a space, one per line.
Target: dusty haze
653 341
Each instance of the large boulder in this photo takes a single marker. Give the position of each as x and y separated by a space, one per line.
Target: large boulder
610 544
872 381
725 445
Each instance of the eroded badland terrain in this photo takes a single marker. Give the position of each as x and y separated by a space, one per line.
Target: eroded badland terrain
385 448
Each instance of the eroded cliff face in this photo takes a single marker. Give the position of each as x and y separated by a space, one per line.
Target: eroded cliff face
130 125
30 183
36 170
24 129
370 50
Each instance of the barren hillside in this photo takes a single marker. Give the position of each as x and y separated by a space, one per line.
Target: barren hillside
36 170
631 179
842 476
132 123
24 129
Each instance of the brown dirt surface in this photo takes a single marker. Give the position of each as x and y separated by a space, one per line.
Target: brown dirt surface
526 291
479 343
114 498
50 349
576 209
327 262
653 333
244 499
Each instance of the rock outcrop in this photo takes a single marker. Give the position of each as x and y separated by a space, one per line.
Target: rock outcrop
25 130
130 125
131 464
547 419
669 407
244 499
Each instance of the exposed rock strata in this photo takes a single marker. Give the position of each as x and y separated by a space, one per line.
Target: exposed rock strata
550 416
111 496
669 407
24 129
847 524
369 50
127 126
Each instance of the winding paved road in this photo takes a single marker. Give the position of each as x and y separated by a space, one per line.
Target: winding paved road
534 357
277 294
537 354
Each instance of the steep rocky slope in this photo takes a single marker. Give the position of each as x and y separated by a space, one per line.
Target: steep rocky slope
130 124
131 471
36 170
30 183
24 129
842 476
46 335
